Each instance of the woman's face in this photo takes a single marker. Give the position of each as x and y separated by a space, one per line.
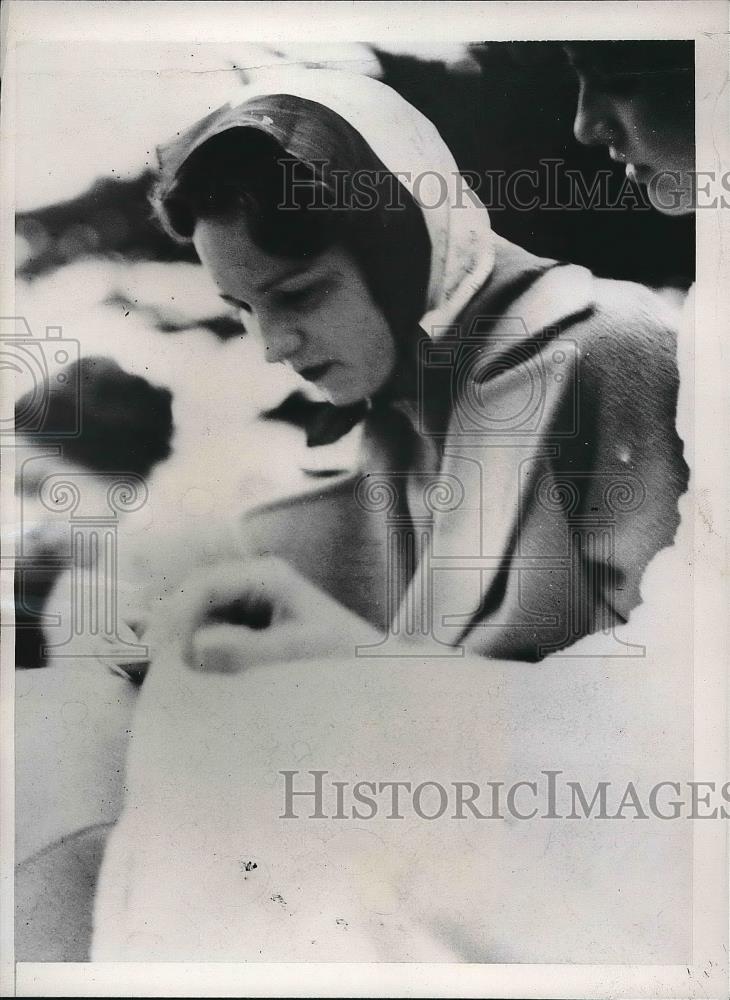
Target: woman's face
316 315
646 119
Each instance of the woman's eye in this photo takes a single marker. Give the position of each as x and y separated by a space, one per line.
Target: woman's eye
622 84
302 297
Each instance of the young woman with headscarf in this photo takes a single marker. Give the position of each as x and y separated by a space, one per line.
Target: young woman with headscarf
538 399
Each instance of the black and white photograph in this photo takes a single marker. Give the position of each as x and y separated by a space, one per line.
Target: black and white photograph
365 495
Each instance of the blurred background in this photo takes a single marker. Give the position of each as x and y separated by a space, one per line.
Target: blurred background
91 260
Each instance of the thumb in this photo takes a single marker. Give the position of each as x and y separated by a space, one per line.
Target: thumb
252 594
221 648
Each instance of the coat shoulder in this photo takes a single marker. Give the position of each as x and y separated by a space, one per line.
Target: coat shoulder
628 319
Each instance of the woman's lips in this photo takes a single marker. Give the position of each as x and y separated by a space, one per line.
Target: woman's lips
638 172
314 373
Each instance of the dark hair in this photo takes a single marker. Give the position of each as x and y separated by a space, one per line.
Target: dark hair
244 170
125 422
634 57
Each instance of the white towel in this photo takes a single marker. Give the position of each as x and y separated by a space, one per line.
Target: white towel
202 868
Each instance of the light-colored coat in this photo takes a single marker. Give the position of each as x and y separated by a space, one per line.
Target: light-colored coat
530 508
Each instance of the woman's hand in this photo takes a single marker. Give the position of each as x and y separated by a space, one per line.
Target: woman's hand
260 610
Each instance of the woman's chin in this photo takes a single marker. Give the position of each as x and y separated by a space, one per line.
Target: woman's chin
341 398
343 395
338 388
671 193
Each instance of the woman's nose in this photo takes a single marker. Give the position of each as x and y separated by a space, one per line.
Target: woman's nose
595 118
280 342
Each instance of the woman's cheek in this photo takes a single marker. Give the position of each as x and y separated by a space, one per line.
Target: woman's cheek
337 315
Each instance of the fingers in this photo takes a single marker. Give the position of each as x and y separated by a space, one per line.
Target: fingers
330 630
229 648
259 611
253 594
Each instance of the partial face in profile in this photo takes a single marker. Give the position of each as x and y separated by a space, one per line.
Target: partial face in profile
637 99
315 314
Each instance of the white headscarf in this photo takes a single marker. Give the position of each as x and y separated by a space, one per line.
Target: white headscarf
409 145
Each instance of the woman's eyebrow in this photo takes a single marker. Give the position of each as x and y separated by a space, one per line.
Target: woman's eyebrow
293 272
269 286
